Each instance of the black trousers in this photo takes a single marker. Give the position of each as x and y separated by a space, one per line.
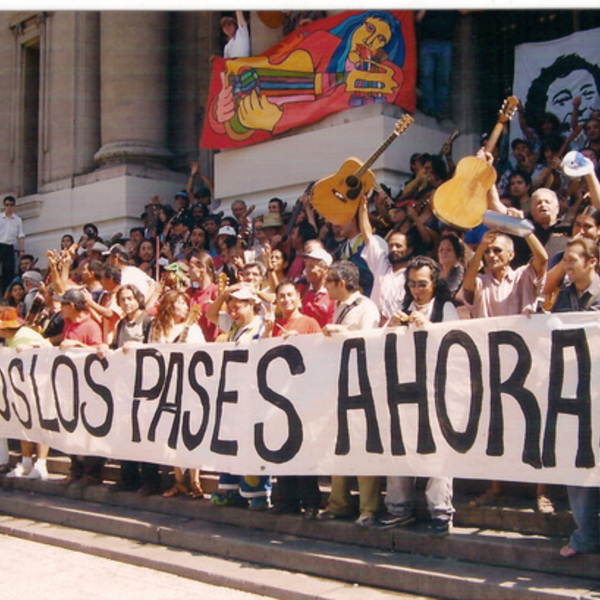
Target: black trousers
7 259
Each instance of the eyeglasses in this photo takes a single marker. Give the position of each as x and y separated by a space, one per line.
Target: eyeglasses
494 249
418 284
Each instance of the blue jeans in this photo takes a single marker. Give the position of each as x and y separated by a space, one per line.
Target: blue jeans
435 65
584 502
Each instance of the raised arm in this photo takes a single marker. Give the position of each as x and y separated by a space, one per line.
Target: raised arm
468 285
364 224
540 257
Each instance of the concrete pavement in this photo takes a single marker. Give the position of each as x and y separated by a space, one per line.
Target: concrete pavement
35 570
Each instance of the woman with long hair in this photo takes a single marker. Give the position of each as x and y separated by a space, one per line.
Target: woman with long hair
172 326
451 254
277 262
14 295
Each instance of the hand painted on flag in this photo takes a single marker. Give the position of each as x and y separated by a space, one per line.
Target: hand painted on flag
225 107
256 111
380 80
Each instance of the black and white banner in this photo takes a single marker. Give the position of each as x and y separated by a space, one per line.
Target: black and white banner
511 398
549 75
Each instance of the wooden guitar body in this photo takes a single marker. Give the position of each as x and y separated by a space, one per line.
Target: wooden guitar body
462 201
336 197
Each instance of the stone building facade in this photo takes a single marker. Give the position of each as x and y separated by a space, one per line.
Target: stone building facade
101 111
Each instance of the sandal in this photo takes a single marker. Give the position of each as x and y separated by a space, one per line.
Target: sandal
544 505
196 491
178 488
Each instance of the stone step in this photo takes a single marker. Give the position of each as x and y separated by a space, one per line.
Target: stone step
414 561
225 573
515 512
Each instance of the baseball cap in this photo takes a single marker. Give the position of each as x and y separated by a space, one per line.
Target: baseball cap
319 254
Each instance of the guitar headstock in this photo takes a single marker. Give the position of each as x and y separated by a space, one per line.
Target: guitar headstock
194 314
508 109
222 283
403 124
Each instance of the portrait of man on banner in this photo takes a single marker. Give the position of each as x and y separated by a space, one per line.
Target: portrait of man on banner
344 61
549 76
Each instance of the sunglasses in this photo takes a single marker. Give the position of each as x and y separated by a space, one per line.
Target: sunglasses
495 250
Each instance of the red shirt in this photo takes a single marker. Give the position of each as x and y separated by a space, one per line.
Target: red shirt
300 324
87 331
319 306
204 299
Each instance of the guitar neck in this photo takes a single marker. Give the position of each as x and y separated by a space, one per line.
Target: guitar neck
494 136
367 165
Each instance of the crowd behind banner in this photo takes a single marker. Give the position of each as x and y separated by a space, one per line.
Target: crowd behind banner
194 275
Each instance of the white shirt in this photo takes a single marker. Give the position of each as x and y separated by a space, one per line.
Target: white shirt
357 312
449 311
239 45
11 229
388 286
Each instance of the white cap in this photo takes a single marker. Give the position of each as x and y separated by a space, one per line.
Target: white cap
227 230
244 293
319 254
575 164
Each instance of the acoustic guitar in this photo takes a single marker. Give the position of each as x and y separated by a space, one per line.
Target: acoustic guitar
337 196
462 201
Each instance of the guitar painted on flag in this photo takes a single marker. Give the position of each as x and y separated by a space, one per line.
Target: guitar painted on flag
462 201
337 196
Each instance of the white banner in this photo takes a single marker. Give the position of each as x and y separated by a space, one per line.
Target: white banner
548 75
508 398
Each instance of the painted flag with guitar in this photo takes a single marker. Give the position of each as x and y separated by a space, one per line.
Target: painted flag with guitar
462 200
347 60
337 196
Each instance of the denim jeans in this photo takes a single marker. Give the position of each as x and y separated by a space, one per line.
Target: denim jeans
400 499
584 502
435 65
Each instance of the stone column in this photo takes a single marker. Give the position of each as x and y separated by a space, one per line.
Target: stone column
133 87
86 135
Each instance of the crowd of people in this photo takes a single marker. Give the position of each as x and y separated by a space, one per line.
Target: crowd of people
192 274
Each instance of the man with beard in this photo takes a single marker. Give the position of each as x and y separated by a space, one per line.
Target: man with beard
387 262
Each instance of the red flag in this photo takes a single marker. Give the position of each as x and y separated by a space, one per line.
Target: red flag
350 59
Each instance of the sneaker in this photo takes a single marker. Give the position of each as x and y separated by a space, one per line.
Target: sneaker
38 472
439 526
327 515
228 498
365 521
310 513
389 521
18 471
259 504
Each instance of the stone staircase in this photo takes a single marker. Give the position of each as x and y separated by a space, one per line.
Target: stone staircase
499 553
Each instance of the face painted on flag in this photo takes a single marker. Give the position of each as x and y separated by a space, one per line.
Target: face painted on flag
562 91
369 38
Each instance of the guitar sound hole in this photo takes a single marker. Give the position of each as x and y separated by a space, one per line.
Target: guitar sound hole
353 193
352 181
